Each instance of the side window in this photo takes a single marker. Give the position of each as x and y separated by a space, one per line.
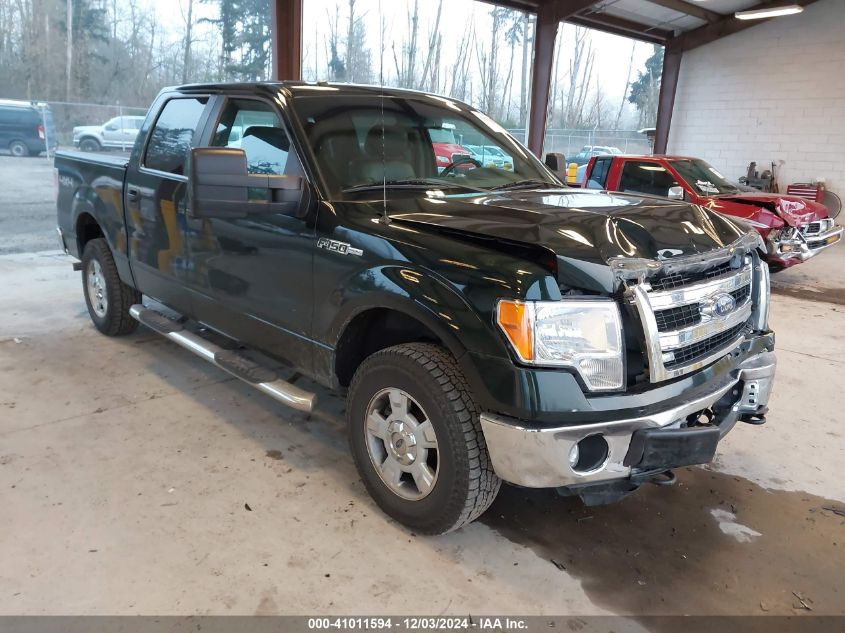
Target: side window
598 177
645 177
170 138
255 127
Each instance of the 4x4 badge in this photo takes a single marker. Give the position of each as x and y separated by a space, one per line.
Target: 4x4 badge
338 247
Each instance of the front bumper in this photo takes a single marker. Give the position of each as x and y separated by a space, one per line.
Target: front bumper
799 247
540 457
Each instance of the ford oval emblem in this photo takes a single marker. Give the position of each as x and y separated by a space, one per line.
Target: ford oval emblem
723 304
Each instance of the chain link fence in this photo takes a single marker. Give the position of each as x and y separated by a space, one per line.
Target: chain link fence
68 115
570 142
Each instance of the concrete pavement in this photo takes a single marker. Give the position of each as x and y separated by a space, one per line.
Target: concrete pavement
134 478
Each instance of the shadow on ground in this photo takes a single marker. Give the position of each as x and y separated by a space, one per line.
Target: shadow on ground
713 543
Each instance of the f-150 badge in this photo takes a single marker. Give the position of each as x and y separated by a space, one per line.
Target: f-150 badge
338 247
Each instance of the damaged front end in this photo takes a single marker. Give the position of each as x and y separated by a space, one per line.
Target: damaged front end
792 244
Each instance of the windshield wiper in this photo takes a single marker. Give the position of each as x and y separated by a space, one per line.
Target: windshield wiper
520 184
410 183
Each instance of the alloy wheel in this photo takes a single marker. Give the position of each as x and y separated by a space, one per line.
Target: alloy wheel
402 444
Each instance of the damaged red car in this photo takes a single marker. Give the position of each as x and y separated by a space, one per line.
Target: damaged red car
795 229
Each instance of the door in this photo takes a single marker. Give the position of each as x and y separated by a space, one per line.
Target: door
128 132
252 276
156 201
112 132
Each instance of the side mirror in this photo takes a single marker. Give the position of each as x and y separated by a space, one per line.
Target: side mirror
221 187
556 162
111 127
676 193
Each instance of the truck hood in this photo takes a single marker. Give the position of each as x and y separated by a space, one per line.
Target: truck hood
584 229
793 210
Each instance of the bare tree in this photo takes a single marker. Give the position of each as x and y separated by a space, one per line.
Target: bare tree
69 49
627 85
186 57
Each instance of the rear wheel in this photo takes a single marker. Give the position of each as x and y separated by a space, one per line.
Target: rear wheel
107 297
416 439
90 145
18 148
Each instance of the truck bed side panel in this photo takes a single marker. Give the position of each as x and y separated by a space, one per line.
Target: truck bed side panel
91 189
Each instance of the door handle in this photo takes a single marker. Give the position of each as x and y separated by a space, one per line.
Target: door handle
133 195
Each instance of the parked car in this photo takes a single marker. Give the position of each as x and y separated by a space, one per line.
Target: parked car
490 156
589 151
483 325
26 128
794 228
116 133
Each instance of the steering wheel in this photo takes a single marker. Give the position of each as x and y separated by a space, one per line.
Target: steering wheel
461 160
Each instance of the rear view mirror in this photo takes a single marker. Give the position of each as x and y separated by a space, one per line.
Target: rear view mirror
676 193
221 187
556 162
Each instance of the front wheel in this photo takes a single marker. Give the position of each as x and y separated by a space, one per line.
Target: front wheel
90 145
416 439
107 297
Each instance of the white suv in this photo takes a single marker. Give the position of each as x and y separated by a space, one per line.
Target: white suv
116 133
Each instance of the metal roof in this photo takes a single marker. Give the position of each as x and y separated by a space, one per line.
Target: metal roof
686 23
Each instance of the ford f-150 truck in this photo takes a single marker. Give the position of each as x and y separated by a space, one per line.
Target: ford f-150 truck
794 228
484 324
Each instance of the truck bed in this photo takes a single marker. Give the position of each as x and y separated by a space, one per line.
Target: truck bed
89 186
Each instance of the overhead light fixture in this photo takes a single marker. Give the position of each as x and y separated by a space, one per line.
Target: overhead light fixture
769 12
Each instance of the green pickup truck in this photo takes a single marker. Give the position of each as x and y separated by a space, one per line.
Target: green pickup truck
485 324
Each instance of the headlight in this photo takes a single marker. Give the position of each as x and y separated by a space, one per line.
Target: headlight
583 334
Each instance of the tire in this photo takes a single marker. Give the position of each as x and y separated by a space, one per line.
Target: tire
90 145
19 149
107 297
463 484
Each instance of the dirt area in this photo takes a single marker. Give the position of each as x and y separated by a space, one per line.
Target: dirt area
139 480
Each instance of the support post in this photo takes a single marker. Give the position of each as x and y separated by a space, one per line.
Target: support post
541 77
286 29
666 101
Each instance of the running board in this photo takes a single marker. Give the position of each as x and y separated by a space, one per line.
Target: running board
262 378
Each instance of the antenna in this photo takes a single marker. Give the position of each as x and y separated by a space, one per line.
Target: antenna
385 218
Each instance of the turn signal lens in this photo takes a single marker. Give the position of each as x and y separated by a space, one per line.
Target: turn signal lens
516 320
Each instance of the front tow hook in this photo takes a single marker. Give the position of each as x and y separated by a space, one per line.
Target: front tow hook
757 419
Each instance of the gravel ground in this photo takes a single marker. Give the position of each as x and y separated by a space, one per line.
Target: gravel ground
27 205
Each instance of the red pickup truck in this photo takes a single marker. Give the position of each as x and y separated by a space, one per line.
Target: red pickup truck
793 228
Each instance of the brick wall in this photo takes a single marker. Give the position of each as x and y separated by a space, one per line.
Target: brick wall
775 92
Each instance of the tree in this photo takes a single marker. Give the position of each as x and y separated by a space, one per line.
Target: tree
646 89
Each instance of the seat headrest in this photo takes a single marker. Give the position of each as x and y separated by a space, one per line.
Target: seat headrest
392 146
271 135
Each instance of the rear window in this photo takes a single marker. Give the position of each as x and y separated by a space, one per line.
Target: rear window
18 116
173 133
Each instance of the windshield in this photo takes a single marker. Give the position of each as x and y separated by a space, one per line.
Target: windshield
703 177
362 140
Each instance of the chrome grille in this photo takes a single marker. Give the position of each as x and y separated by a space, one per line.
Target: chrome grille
677 280
703 348
690 325
817 227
